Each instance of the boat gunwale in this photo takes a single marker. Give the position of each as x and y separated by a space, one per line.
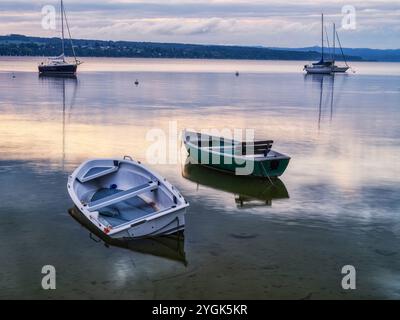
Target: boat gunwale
153 215
279 156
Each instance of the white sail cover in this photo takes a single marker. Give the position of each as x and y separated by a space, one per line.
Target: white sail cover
61 57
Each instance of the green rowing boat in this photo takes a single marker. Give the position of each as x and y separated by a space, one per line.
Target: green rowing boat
253 158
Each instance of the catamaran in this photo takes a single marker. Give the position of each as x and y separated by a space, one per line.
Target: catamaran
59 65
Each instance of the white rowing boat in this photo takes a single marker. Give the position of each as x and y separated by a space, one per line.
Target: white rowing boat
124 199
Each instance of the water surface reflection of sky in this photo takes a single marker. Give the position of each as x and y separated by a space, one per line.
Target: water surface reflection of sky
343 180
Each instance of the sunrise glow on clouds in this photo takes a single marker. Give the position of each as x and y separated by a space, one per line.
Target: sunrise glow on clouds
269 23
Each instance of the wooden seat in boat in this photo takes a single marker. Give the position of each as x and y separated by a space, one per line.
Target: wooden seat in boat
121 196
257 147
96 172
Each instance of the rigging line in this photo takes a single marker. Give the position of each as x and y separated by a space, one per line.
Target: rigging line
334 43
62 28
69 33
327 41
322 37
341 50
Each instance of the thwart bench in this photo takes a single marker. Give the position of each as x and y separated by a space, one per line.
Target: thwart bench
96 172
122 195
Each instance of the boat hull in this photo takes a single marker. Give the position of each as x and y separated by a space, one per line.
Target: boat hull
273 167
324 70
68 69
340 69
164 225
145 205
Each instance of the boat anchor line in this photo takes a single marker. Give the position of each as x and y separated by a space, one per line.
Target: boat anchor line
266 173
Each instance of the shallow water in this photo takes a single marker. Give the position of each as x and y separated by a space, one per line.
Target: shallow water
337 203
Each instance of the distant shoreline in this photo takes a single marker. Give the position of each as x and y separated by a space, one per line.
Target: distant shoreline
185 58
42 58
24 46
19 45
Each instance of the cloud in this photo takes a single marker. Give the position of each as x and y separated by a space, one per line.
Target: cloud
261 22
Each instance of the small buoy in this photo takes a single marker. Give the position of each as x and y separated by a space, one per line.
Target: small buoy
136 82
13 76
237 73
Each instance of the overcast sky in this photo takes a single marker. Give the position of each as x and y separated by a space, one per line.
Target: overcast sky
287 23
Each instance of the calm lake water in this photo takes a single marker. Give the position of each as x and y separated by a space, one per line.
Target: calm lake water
337 204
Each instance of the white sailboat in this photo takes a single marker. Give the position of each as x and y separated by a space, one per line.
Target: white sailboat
59 65
328 66
335 68
322 66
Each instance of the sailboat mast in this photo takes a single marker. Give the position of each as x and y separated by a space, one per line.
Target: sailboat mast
334 41
322 35
62 27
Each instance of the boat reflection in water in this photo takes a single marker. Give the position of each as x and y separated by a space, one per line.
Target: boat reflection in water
248 191
325 86
58 83
57 76
169 247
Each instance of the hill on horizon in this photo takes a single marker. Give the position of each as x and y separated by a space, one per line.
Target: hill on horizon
20 45
382 55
